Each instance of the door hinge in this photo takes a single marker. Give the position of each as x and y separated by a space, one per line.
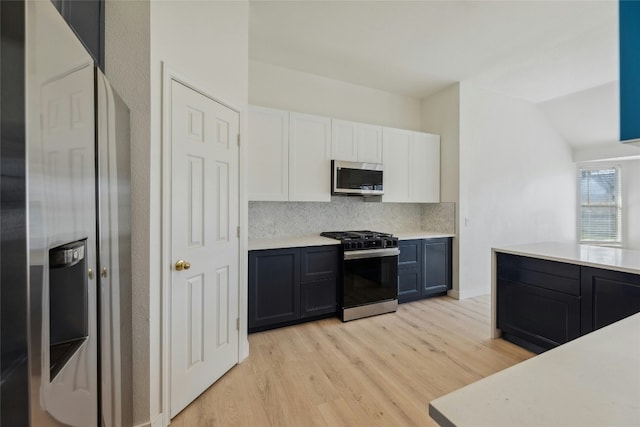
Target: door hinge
237 323
238 231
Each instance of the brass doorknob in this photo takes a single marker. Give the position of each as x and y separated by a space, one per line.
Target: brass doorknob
182 265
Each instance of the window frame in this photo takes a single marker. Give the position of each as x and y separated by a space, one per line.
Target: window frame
620 206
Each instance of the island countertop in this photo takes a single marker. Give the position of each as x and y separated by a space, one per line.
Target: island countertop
593 380
609 258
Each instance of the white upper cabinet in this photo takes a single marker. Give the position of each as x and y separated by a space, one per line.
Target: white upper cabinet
356 142
411 166
396 146
268 153
289 157
309 158
425 168
369 143
344 140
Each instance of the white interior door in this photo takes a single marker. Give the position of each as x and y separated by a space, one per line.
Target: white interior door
204 220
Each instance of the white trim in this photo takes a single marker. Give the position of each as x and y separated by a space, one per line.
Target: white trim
170 74
156 422
469 293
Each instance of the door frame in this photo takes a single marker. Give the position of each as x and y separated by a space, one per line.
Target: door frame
163 360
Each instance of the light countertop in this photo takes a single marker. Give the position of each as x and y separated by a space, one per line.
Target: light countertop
410 235
593 380
291 242
317 240
625 260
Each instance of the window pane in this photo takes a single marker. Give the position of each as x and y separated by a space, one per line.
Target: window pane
600 210
599 223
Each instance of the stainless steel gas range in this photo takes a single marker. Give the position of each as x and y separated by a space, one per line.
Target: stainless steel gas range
369 273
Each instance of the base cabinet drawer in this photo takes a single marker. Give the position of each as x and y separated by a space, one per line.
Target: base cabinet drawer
288 286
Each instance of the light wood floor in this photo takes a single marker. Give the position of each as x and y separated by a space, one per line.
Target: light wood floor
379 371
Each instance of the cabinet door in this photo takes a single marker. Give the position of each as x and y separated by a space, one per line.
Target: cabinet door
274 287
309 158
319 263
396 153
319 298
409 270
268 142
369 143
436 271
538 318
344 140
607 296
425 167
319 276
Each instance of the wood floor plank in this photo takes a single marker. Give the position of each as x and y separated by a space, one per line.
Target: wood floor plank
378 371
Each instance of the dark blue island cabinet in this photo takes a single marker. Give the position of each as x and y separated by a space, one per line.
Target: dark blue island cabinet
424 268
542 304
292 285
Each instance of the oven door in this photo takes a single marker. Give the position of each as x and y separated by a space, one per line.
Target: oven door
369 276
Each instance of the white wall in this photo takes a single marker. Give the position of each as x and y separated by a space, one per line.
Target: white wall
206 42
441 115
127 57
631 203
287 89
517 181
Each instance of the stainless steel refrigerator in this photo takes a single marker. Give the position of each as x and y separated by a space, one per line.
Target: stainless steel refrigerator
78 175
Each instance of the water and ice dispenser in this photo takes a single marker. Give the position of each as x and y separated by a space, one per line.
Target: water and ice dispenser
68 302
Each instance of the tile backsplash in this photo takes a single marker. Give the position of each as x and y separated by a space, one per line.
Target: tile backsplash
282 219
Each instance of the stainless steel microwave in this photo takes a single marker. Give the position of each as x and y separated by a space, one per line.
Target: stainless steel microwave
356 179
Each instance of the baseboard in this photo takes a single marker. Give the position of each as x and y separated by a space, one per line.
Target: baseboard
156 422
469 293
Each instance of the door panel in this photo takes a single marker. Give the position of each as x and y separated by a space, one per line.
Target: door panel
204 200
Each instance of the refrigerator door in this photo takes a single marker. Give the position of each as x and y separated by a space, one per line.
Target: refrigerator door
63 353
114 235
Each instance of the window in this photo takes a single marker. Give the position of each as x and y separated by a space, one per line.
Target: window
600 207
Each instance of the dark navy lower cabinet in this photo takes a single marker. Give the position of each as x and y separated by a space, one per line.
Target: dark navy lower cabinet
274 287
409 270
424 268
543 304
288 286
607 296
436 266
542 318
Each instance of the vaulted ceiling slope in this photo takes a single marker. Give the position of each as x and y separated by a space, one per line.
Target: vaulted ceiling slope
534 50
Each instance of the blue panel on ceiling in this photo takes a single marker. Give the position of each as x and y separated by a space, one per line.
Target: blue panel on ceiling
629 11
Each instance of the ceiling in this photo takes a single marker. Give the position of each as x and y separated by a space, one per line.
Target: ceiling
535 50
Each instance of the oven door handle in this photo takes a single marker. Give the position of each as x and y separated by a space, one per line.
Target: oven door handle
371 253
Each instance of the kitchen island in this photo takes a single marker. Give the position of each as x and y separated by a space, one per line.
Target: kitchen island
593 380
581 286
